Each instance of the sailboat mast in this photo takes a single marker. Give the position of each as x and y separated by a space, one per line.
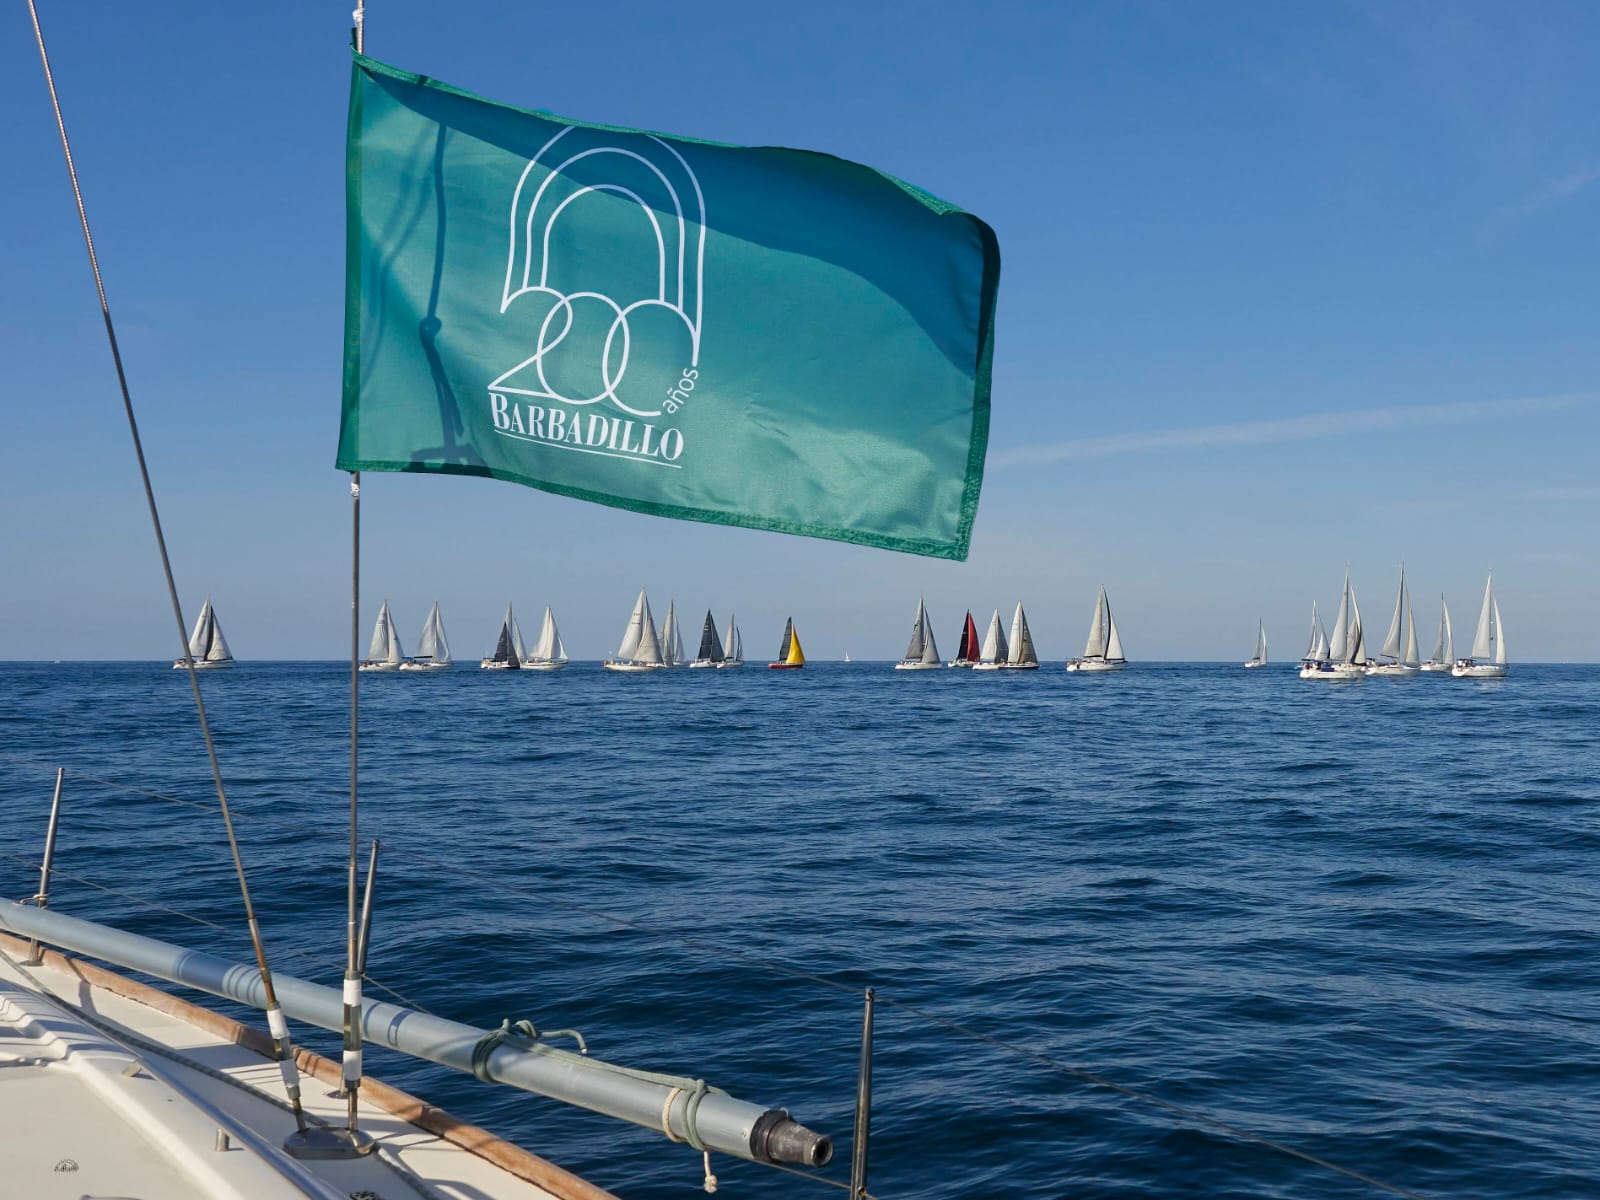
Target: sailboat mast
275 1019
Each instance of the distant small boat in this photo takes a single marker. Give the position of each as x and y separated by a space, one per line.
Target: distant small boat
992 656
790 656
1444 650
1260 659
1488 659
967 652
207 646
1103 651
384 653
671 638
433 650
922 654
549 652
1021 656
732 645
1399 658
710 653
847 656
1344 657
508 649
640 649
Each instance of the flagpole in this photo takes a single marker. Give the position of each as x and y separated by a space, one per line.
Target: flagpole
355 1142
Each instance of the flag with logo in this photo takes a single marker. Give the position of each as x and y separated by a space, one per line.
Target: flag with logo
754 336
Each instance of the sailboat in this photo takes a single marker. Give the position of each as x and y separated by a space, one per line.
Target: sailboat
1103 650
1345 655
433 650
790 656
1399 658
384 652
1021 655
671 638
207 646
508 649
1317 647
710 653
732 645
549 652
922 654
994 652
847 656
640 649
1260 657
1488 659
967 652
1444 650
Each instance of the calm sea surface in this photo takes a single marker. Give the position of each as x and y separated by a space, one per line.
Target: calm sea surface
1360 919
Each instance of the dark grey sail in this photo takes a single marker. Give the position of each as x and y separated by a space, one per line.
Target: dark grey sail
710 643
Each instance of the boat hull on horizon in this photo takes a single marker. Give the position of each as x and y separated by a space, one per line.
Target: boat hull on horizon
1467 669
1392 671
1095 666
201 664
545 666
1335 672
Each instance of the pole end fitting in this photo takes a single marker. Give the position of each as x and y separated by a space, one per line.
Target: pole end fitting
775 1138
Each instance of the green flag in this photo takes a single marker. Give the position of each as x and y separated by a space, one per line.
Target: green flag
762 337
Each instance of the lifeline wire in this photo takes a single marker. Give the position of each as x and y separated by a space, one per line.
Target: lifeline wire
279 1036
778 968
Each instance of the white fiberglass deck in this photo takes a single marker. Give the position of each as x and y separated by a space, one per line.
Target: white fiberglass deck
84 1112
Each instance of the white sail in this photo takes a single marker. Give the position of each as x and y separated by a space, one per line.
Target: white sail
648 650
218 650
1358 640
396 654
1392 642
733 644
1411 658
1022 651
1481 648
433 645
1499 638
671 638
1339 647
1449 634
994 642
385 646
1317 647
1114 643
1096 645
635 631
549 647
200 639
1440 654
1261 642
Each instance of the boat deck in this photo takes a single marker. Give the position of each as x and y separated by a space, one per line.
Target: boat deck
113 1088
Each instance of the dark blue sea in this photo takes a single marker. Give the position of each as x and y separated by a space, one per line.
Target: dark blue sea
1359 919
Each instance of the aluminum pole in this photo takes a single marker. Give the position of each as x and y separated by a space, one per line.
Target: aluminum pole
722 1123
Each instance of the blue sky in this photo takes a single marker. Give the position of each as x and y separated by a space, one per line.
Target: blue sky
1284 287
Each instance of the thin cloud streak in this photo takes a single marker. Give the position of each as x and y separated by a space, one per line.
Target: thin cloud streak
1313 426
